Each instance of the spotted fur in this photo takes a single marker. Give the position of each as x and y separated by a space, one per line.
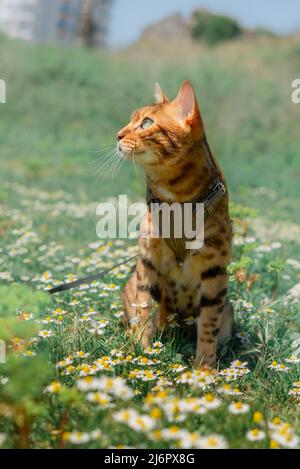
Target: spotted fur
172 154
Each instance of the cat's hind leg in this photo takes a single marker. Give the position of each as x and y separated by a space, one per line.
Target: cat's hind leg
227 324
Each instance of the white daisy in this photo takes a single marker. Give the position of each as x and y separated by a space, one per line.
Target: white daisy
238 408
255 435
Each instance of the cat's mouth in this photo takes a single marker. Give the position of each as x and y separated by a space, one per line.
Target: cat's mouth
125 151
143 157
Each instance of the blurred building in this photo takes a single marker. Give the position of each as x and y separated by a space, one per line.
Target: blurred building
55 20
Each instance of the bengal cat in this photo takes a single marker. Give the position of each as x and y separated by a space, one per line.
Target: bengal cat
167 139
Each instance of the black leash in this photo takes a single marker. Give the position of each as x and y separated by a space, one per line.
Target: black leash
91 278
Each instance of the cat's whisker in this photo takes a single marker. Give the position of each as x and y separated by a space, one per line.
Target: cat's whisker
105 166
116 164
109 163
103 154
133 159
104 147
102 151
121 162
157 160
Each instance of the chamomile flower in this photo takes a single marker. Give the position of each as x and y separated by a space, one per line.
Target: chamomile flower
279 367
255 435
86 369
76 438
144 361
29 353
74 303
155 350
238 408
144 375
99 398
231 374
96 434
2 438
275 424
91 312
3 380
189 440
294 392
292 359
229 390
213 442
201 379
59 312
81 354
238 364
46 277
116 386
162 382
69 370
87 384
119 314
111 287
85 318
53 388
70 278
209 401
177 368
125 415
158 344
172 433
117 353
47 320
258 417
142 423
45 334
286 437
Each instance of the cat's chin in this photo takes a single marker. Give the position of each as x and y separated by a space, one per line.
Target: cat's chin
145 158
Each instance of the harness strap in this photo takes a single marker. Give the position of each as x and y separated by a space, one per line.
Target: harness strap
89 279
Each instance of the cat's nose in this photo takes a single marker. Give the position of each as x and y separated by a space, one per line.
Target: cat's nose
120 136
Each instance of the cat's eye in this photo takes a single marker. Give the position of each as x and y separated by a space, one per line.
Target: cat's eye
147 122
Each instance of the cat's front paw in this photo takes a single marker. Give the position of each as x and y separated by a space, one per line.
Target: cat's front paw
205 363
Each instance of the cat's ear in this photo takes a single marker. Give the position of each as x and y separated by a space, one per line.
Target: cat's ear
159 95
187 108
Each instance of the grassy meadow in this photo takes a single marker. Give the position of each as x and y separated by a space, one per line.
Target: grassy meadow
72 378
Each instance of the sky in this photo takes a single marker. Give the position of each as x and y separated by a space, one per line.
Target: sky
130 17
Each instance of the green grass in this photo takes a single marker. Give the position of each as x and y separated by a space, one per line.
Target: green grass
64 106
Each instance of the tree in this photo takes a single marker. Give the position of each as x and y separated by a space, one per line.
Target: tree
214 28
87 26
94 20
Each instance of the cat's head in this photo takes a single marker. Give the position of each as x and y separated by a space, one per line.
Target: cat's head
164 131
